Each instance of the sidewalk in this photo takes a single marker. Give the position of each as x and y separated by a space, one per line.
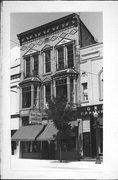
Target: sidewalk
28 164
53 169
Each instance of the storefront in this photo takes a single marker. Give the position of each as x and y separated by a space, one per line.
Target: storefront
89 129
25 137
38 142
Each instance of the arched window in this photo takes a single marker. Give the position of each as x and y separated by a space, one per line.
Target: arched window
101 85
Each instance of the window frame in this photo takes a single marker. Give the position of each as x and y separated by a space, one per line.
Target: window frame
36 64
27 66
45 95
48 62
85 98
25 95
65 55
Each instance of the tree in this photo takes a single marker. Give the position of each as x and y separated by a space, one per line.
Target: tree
61 112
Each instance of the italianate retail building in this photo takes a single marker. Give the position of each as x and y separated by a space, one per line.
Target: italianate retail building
59 58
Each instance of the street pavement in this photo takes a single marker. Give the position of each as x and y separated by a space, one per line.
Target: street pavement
53 169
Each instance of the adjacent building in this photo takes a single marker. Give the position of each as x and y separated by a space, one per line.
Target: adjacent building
14 96
59 58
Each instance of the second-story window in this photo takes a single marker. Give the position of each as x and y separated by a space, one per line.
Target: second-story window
84 91
60 57
70 55
28 66
35 64
47 61
61 88
65 56
26 97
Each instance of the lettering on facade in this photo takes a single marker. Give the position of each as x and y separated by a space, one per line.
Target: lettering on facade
87 110
35 116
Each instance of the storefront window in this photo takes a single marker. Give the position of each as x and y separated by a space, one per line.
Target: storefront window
26 97
31 147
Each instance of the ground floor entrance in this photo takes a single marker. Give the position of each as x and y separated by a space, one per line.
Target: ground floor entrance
92 135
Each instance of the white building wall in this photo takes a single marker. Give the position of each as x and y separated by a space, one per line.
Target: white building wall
14 88
90 67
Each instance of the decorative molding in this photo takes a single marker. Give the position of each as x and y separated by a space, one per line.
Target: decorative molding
64 41
49 28
46 47
31 51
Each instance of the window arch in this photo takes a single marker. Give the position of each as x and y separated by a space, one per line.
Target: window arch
100 76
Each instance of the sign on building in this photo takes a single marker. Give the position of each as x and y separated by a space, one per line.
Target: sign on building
86 126
35 116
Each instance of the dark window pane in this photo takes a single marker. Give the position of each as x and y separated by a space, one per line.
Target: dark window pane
70 55
36 64
47 61
61 82
61 88
27 66
48 92
60 58
35 96
71 90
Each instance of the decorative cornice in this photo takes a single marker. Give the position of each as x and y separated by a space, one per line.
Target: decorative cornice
48 28
30 80
65 72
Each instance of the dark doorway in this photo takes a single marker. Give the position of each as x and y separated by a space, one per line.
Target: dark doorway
93 137
86 144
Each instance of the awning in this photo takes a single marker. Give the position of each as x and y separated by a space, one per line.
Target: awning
27 133
48 133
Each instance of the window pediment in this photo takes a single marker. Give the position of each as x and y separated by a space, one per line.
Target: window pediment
63 42
30 52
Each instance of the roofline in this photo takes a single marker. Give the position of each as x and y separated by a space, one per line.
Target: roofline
45 25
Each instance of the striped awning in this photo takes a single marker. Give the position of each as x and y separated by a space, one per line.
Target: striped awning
27 133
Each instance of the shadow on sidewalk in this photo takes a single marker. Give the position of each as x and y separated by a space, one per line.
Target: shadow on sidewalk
63 161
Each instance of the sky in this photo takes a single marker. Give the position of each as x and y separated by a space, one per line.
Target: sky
21 22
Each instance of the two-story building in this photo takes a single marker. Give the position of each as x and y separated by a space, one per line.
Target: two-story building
58 58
